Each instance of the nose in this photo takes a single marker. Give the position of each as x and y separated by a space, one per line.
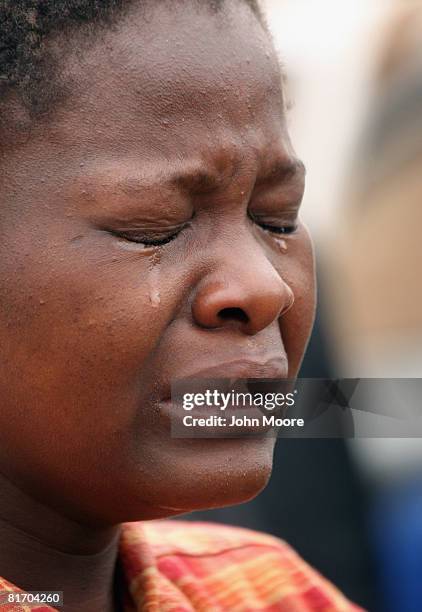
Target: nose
247 293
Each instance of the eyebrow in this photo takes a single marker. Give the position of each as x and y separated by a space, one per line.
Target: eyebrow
200 179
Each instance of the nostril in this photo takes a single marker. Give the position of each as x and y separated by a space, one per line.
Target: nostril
233 314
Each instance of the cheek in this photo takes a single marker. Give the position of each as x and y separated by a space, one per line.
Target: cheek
77 338
78 330
78 335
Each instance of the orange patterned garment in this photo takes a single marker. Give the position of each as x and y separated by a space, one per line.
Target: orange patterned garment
178 566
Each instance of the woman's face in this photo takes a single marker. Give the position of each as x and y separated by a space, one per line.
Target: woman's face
172 132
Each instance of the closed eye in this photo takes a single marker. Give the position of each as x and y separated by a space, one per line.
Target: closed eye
147 240
281 226
279 229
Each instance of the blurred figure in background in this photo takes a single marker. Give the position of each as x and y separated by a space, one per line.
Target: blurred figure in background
375 296
376 286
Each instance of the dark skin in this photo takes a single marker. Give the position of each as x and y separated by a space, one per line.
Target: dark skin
174 132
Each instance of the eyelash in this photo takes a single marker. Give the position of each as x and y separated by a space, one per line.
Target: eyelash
161 242
283 230
149 242
274 229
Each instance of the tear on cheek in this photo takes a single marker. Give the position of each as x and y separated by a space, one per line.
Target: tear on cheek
282 245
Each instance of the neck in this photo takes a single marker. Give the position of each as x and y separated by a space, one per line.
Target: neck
42 550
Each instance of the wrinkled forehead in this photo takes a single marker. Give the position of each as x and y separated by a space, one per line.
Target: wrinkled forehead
177 65
166 82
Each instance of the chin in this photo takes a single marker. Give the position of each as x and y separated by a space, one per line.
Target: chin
217 473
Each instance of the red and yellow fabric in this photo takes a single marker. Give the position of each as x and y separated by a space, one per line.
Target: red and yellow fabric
177 566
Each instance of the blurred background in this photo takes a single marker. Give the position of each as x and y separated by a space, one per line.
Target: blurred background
353 508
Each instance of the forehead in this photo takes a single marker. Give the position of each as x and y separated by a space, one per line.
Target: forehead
166 83
163 64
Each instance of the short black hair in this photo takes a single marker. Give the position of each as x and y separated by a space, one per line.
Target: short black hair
28 70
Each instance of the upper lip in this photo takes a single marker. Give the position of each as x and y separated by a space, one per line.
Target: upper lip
242 368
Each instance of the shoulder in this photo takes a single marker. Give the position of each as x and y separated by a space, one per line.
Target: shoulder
235 565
